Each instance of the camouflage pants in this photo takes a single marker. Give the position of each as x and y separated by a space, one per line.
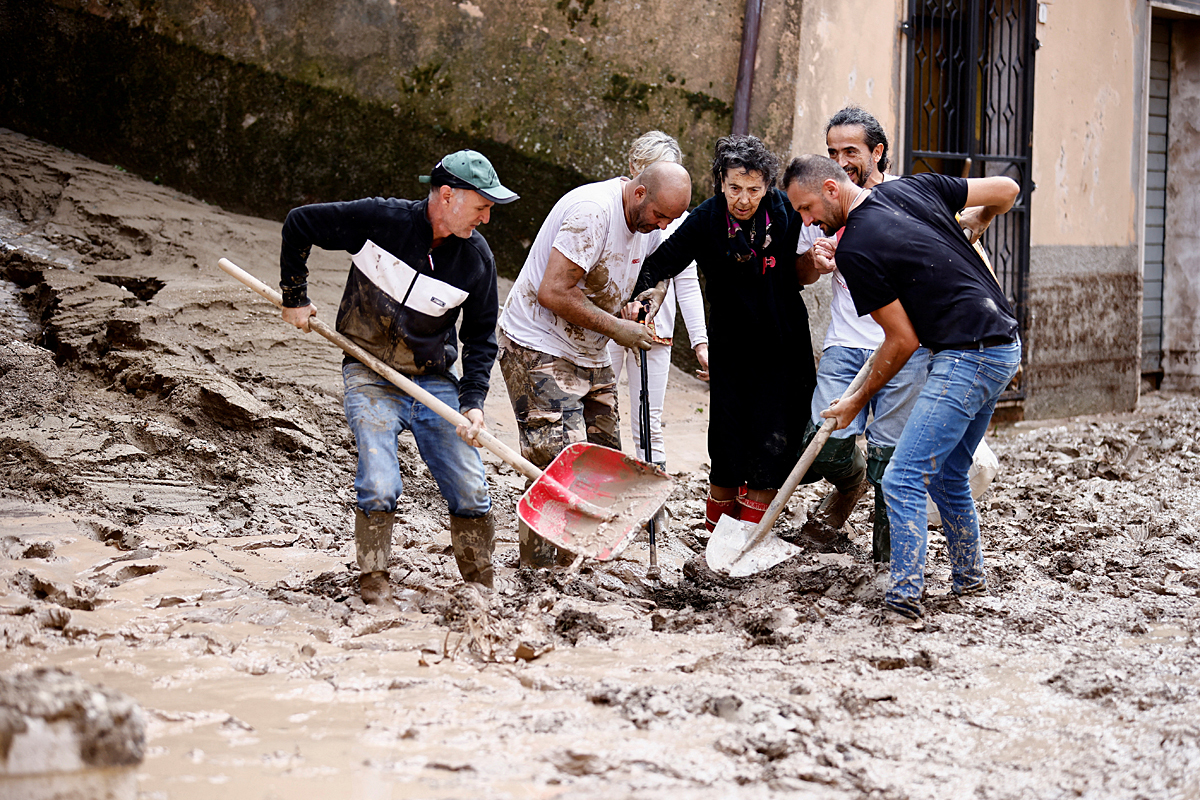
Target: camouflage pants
558 403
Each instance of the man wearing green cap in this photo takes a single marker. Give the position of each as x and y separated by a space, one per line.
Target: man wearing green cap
416 267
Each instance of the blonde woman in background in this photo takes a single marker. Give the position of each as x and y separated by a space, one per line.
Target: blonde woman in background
648 149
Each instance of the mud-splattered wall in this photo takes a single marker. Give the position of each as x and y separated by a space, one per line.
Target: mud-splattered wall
1181 273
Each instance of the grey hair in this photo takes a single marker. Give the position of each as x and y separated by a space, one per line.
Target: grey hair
742 151
650 148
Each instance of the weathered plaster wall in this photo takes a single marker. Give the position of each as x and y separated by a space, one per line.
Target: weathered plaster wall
569 82
1087 117
1085 295
1181 278
849 52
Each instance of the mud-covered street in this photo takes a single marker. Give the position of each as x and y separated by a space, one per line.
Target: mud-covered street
175 518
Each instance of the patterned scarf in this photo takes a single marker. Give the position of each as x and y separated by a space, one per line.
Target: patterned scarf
744 245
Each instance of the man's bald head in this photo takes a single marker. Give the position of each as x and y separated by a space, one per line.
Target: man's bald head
656 197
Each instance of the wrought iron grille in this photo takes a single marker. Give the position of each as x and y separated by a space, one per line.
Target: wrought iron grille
970 113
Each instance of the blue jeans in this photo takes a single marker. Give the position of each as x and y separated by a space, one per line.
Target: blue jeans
934 454
378 412
890 406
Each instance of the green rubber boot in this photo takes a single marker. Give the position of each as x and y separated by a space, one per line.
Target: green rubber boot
881 537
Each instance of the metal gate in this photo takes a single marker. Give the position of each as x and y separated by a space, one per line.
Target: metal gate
970 113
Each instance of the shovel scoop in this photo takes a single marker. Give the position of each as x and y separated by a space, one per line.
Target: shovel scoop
737 548
592 500
731 537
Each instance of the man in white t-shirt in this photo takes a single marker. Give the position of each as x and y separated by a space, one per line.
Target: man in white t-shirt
565 307
858 143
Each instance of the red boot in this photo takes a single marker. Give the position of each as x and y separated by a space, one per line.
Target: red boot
715 509
751 511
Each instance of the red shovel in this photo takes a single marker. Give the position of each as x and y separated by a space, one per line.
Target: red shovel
591 500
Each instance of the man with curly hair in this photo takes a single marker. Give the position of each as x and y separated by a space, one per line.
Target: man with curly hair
743 240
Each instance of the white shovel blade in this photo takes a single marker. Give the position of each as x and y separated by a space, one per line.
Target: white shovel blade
727 541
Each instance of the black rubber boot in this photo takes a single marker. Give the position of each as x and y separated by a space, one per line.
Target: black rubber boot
881 537
474 541
373 546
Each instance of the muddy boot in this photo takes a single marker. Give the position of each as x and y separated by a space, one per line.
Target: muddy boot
374 588
373 545
536 552
473 541
842 464
881 536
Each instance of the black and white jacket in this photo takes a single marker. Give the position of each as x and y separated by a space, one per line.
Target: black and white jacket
403 296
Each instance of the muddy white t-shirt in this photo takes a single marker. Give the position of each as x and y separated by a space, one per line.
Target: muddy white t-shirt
588 227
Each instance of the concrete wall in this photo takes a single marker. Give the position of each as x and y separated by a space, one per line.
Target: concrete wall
1181 255
1084 335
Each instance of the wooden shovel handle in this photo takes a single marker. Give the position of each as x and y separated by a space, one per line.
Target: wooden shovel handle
416 392
763 529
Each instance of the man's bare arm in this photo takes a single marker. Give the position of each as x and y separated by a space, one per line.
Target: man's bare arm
987 198
560 294
899 343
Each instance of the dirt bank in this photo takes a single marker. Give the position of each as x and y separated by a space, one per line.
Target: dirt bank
175 496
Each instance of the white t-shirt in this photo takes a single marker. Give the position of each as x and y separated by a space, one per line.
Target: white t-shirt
587 225
846 327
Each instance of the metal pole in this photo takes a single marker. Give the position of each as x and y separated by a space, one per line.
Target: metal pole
745 77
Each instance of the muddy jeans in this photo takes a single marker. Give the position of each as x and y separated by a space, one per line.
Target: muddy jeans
934 454
558 403
378 412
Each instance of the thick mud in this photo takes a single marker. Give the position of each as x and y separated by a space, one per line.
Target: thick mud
175 520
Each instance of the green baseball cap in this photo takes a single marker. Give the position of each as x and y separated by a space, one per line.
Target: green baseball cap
468 169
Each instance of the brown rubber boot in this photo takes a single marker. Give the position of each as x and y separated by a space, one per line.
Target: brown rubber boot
474 541
536 552
373 546
374 588
825 521
835 507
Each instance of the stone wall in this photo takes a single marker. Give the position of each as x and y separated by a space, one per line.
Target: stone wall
355 97
263 105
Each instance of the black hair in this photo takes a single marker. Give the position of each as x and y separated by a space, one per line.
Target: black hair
744 152
872 130
811 171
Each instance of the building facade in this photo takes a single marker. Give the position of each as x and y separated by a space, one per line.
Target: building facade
1092 108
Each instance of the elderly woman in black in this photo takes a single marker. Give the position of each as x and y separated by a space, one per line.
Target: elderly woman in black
743 239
